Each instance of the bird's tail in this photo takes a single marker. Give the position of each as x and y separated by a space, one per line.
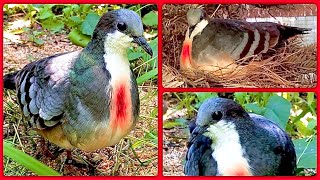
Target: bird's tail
9 81
289 31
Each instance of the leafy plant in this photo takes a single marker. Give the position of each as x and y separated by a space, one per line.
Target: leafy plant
306 150
276 109
28 161
79 21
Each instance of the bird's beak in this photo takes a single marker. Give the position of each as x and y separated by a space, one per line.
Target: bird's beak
198 131
141 41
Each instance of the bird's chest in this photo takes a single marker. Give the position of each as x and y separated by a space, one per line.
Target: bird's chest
227 150
121 115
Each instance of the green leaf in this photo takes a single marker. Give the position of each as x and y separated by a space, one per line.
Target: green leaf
86 7
134 55
45 14
152 134
312 124
270 114
67 11
302 128
37 33
53 25
175 123
202 96
150 19
253 107
38 41
310 98
306 152
28 161
75 19
138 144
278 110
45 11
78 38
240 97
90 23
154 46
151 74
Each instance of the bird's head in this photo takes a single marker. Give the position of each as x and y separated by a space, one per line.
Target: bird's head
119 28
194 16
197 21
217 109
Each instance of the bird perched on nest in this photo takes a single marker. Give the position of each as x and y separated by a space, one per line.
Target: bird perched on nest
224 45
227 141
86 99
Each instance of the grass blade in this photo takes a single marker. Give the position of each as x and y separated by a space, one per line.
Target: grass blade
143 78
28 161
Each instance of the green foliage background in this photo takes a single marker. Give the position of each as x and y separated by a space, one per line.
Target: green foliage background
79 21
293 111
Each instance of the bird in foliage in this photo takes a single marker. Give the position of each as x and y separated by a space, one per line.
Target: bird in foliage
228 141
224 46
86 99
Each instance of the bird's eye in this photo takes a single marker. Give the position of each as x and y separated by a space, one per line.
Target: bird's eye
217 115
121 26
201 17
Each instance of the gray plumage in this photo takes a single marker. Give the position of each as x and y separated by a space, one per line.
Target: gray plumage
267 148
236 38
69 97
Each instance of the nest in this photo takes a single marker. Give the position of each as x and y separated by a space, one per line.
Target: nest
291 66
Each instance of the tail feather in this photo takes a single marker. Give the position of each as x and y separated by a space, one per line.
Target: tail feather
289 31
9 81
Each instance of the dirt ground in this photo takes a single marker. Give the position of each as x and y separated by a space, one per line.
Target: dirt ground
175 140
174 151
116 160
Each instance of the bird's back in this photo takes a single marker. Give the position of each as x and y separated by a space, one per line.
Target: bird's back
280 143
240 39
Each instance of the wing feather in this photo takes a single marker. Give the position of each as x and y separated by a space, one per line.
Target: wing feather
42 88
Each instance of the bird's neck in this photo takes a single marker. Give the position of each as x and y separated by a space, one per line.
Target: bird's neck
117 63
94 52
117 43
198 29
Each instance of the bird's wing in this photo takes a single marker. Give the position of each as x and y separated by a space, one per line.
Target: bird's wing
231 37
199 160
240 39
283 145
42 88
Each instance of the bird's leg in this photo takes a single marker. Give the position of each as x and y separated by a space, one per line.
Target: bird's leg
78 162
69 157
45 149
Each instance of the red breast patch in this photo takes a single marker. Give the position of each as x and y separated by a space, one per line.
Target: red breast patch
237 171
186 54
121 107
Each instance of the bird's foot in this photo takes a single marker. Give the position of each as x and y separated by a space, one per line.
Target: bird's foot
48 151
73 164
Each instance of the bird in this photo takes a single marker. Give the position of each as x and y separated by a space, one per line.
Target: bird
224 46
86 99
227 141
